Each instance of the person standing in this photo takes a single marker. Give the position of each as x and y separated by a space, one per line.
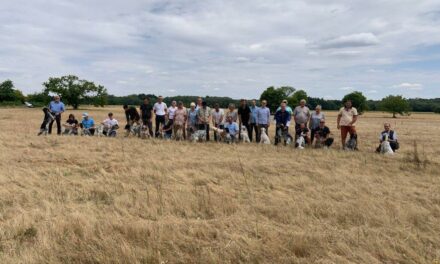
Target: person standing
192 120
180 117
282 118
301 115
263 118
171 111
147 115
217 119
56 107
253 121
204 118
160 110
347 118
315 119
244 116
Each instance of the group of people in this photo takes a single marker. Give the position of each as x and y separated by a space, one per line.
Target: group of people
310 126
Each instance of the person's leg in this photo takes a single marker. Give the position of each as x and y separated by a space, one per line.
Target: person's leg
297 130
215 134
92 131
50 126
312 135
150 127
344 132
157 123
257 136
58 120
207 132
251 126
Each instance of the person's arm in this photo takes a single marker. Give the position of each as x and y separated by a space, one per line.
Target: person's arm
62 108
268 117
288 119
339 120
154 108
354 120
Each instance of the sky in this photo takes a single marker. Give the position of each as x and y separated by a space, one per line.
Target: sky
225 48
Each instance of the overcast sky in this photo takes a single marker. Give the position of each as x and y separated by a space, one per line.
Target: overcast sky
229 48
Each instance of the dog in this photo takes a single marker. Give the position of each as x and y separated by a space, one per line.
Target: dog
244 135
283 134
221 133
100 130
144 132
179 133
264 139
351 143
86 132
300 142
198 136
135 129
48 118
385 147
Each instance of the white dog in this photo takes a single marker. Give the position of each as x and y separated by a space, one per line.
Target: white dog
100 130
221 133
199 136
300 142
264 139
385 147
244 135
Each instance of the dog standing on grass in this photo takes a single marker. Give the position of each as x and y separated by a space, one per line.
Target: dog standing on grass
244 135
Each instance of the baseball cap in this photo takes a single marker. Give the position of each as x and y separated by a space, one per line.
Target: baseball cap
85 114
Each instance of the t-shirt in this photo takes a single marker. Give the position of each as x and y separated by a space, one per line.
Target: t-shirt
347 116
218 116
179 116
171 111
72 121
146 111
159 109
110 122
88 123
301 114
245 114
315 119
232 128
323 131
232 114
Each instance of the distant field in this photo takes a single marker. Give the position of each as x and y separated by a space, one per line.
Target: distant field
126 200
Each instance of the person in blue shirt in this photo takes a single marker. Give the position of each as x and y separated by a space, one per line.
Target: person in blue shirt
253 122
232 129
282 119
56 107
88 125
263 118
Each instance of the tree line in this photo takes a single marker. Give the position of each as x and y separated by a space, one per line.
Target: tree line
75 92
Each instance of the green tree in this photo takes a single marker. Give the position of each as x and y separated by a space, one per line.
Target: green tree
395 104
274 96
297 97
74 91
358 99
7 91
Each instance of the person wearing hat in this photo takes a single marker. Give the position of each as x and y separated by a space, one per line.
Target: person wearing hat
204 118
88 124
288 108
191 125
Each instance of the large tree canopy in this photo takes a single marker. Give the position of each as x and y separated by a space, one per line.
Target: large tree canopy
74 91
395 105
274 96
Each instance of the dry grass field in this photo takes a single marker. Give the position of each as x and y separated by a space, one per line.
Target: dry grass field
126 200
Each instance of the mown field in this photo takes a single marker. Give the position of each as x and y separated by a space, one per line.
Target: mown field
125 200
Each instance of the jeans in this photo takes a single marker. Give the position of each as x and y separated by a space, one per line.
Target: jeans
149 124
159 120
253 127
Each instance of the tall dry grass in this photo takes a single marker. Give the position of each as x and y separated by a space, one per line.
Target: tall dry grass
103 200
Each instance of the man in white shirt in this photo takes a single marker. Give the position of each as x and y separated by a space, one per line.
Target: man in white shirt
217 119
160 110
110 125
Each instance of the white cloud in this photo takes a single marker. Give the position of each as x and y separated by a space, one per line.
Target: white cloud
192 46
409 86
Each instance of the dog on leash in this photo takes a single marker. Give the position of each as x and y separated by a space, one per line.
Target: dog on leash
100 130
351 143
385 147
264 139
244 135
221 133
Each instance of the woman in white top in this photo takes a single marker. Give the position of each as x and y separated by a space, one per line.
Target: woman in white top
217 119
171 111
